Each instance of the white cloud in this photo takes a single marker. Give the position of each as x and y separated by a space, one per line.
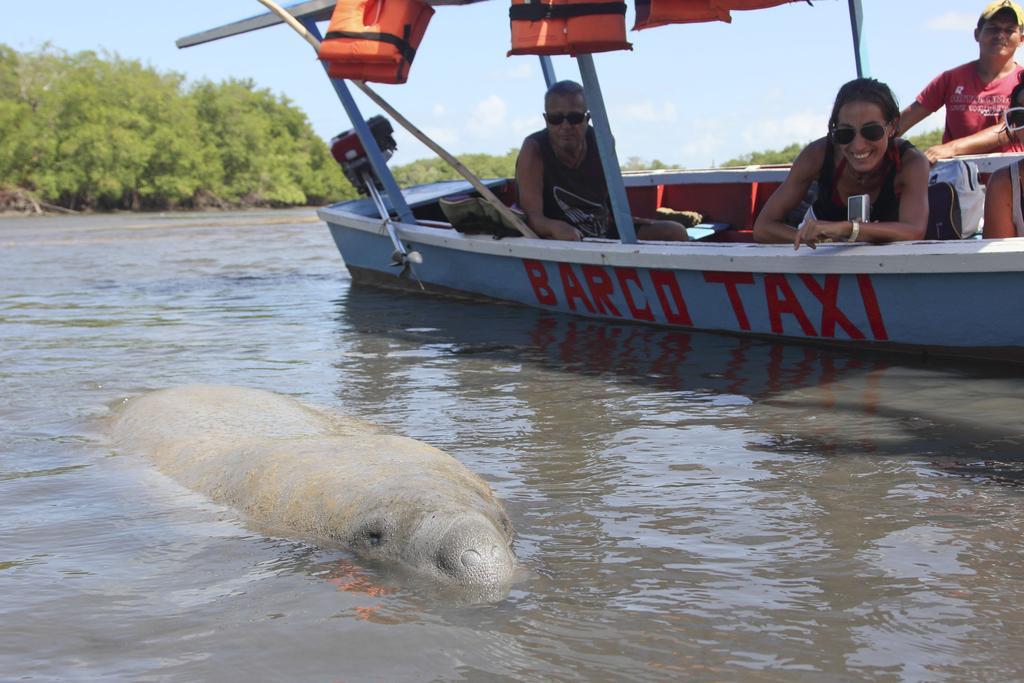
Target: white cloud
526 125
516 70
701 150
488 117
439 109
443 136
522 70
706 141
648 112
410 148
952 21
799 127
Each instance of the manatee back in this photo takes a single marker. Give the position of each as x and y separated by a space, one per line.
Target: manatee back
289 466
215 412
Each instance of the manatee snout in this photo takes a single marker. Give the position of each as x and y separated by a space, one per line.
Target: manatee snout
475 552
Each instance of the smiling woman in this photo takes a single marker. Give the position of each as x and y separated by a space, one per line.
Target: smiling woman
861 155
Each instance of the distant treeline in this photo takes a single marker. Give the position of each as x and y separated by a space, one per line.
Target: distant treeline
90 131
786 155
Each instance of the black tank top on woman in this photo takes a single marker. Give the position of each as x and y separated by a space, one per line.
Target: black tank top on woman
886 207
578 196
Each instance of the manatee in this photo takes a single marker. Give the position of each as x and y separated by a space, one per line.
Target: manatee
331 479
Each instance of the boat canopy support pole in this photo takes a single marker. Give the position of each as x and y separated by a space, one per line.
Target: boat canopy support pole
860 54
549 70
373 153
606 149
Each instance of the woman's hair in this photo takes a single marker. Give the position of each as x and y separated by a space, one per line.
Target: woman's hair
867 90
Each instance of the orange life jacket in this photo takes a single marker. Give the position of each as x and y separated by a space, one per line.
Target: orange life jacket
753 4
567 27
374 40
651 13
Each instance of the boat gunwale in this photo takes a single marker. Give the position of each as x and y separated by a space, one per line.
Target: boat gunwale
897 258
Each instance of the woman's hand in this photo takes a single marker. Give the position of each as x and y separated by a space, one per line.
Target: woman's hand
813 232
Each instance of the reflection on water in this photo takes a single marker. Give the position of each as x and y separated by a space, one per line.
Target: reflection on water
688 506
804 399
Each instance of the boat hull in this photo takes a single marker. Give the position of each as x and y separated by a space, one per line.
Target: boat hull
922 296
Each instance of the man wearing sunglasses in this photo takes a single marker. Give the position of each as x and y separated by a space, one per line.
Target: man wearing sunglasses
562 187
976 94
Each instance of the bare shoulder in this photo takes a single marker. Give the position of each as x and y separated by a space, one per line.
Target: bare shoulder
530 146
1000 179
529 156
915 162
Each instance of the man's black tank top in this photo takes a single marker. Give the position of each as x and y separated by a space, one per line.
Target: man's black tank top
578 196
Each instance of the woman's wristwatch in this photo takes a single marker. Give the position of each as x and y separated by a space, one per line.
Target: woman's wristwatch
854 232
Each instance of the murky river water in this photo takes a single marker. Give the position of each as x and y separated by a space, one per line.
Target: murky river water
688 507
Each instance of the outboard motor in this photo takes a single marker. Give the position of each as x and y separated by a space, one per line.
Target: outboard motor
349 153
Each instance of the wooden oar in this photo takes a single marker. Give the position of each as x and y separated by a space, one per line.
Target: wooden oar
484 191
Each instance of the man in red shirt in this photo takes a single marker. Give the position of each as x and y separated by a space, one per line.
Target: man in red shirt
976 94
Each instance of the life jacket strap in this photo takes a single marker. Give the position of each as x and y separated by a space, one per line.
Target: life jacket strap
405 49
538 11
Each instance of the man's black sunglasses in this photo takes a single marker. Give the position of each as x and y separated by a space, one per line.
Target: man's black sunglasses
574 118
872 132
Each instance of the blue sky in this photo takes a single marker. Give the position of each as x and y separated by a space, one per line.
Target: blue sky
692 95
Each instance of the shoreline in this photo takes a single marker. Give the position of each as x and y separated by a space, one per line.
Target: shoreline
176 213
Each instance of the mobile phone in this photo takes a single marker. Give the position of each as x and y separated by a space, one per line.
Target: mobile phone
858 208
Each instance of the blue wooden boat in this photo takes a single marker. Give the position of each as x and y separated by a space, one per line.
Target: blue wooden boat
925 297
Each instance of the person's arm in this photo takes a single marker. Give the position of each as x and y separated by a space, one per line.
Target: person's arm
769 226
999 206
530 181
912 183
910 117
912 187
988 140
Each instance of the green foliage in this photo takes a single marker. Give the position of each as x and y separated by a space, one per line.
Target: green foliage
926 140
92 130
638 164
786 155
98 131
484 166
433 170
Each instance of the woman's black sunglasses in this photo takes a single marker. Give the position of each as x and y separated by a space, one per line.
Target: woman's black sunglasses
574 118
872 132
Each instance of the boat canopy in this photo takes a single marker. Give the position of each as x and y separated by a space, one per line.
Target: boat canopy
542 40
311 10
650 13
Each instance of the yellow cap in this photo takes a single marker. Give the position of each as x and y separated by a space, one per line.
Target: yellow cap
998 5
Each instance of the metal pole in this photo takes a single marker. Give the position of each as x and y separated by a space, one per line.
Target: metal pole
860 54
606 149
549 70
377 161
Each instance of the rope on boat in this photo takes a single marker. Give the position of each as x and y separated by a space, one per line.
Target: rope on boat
477 184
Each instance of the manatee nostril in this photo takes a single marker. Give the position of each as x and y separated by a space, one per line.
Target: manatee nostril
471 558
